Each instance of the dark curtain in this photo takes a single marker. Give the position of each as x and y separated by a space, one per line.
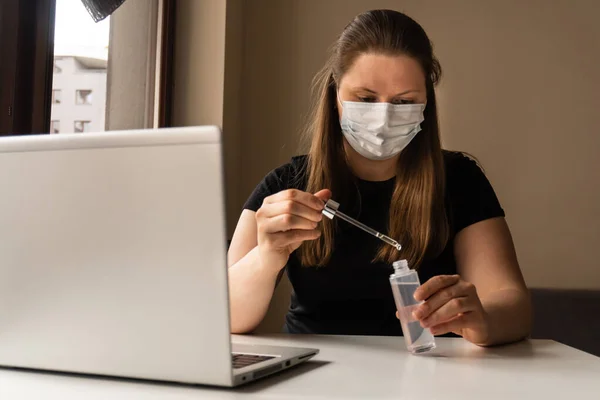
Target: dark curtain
100 9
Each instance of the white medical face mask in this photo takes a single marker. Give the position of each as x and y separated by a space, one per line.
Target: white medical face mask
379 131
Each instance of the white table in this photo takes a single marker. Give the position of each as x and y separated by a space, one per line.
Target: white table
361 368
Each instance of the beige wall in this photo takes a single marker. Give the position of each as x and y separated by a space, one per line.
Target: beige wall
200 62
202 95
520 92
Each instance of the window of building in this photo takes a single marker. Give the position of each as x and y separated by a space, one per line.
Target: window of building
57 69
83 97
56 96
82 126
54 126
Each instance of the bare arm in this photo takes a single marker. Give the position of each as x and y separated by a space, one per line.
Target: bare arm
486 257
251 284
488 302
260 248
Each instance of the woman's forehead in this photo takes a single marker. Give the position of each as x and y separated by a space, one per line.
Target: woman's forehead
383 73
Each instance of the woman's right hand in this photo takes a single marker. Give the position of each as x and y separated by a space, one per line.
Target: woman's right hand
285 220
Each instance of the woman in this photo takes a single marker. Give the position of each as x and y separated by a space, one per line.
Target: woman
376 150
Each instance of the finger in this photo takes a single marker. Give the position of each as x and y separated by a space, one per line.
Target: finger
323 195
450 310
287 222
440 298
455 325
282 239
299 196
434 285
293 208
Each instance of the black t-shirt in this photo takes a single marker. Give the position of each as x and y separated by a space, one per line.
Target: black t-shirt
351 295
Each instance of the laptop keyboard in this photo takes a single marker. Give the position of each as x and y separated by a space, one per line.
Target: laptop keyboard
244 360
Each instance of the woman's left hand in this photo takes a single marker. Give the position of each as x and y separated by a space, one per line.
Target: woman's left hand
452 305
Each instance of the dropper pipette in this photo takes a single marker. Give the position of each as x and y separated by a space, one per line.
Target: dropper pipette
331 210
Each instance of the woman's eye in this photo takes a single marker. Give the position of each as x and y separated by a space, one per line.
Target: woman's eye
403 101
367 99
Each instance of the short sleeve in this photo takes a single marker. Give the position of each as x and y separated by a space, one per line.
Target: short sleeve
471 196
287 176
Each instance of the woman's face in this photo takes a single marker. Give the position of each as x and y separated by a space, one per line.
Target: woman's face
377 78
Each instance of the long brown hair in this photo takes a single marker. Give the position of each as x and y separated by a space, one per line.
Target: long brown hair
417 217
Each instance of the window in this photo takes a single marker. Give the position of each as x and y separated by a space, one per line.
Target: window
83 97
54 126
82 126
55 44
56 96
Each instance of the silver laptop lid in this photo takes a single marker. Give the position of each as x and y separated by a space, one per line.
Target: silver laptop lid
112 254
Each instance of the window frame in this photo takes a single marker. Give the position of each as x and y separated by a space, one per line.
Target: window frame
166 56
27 53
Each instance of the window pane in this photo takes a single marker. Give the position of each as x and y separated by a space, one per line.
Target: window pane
54 126
82 126
56 96
83 97
80 69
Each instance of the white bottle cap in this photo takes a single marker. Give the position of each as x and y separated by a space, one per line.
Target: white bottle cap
401 265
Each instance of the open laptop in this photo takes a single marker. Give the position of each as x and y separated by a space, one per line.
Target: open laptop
113 259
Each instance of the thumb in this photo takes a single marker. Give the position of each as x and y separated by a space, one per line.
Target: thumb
323 195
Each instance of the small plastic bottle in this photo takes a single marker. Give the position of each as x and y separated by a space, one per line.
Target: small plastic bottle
404 283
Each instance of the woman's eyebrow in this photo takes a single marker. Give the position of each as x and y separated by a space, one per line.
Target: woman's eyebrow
365 89
409 91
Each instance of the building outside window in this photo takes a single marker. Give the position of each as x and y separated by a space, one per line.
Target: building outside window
80 88
80 68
